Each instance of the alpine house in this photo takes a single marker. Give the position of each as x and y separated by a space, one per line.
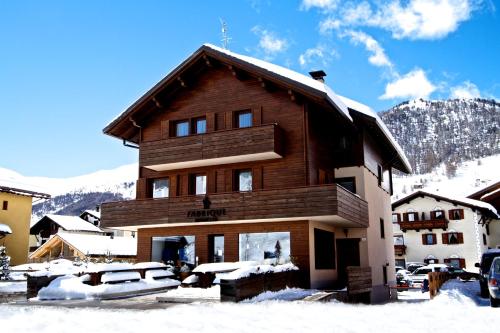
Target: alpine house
242 160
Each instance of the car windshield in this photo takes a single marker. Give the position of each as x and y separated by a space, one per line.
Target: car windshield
487 259
496 266
422 271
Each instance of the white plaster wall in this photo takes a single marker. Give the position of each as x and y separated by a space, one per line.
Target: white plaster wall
470 250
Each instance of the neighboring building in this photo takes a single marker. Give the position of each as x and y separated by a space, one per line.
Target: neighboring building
70 245
51 224
94 217
434 228
15 212
247 160
491 195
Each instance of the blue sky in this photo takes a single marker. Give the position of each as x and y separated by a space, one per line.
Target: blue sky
68 67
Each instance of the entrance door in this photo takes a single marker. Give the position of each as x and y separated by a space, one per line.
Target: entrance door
347 255
216 248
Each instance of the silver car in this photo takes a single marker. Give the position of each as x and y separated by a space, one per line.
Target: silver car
493 283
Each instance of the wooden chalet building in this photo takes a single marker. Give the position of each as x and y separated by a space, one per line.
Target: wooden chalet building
247 160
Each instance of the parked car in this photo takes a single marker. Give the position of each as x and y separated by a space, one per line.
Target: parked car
484 269
420 274
402 280
461 273
398 268
412 266
493 283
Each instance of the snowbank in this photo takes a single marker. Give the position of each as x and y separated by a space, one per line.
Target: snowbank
259 269
223 266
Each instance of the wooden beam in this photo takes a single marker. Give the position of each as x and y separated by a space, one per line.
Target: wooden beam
157 103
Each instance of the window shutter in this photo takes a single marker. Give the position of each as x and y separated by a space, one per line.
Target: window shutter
461 214
447 261
405 217
257 178
210 122
228 180
257 116
445 238
434 239
229 120
460 237
424 239
165 129
462 263
141 188
321 176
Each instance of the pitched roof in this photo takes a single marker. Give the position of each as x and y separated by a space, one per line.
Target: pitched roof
20 191
493 188
96 245
68 223
298 81
94 213
484 207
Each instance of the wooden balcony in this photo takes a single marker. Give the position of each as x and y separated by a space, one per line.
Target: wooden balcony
213 148
327 203
424 224
400 250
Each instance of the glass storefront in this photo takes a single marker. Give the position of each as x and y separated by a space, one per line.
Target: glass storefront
270 247
173 249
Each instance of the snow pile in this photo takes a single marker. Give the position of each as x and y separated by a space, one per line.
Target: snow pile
201 293
120 276
259 269
150 264
8 287
288 294
5 229
72 287
158 274
191 279
223 266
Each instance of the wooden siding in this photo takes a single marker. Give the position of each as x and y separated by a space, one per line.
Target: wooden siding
226 143
327 200
299 239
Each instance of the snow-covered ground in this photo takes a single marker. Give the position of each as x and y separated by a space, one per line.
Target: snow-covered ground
456 309
470 177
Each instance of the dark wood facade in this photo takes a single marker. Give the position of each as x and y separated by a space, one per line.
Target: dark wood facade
297 139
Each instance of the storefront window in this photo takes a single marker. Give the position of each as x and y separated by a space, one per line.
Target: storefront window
271 247
173 250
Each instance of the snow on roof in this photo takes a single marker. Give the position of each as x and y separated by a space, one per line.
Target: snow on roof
466 201
94 213
73 223
490 194
100 245
5 229
288 74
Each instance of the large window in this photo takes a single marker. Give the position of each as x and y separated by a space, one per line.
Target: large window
244 119
270 247
382 228
349 183
453 237
429 239
161 188
243 180
200 125
182 128
324 249
173 250
197 184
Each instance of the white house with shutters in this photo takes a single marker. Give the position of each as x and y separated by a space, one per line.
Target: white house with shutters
433 228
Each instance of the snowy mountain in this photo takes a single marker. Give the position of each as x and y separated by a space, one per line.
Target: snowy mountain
446 132
71 196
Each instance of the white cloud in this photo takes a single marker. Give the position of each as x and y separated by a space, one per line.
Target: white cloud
466 90
412 85
378 57
326 5
413 19
269 42
319 54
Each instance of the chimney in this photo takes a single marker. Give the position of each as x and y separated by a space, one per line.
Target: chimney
318 75
97 208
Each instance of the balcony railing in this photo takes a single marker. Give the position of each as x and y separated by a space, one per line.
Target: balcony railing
400 250
424 224
213 148
328 203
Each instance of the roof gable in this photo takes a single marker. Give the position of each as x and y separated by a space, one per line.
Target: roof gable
125 125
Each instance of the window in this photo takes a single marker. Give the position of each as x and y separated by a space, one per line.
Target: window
453 238
384 274
485 242
382 228
396 218
324 249
380 175
399 240
437 214
173 249
411 216
161 188
429 239
455 262
456 214
243 180
488 229
349 183
200 125
182 128
5 205
197 184
244 119
271 247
